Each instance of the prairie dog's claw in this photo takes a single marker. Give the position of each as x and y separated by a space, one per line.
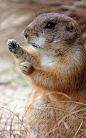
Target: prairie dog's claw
25 67
12 45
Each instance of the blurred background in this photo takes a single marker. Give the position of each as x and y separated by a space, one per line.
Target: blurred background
15 15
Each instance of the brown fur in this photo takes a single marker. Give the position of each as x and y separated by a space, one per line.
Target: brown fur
56 64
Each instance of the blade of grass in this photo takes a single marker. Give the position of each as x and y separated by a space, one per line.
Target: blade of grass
21 42
21 76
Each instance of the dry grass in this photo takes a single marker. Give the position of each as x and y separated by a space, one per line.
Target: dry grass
13 126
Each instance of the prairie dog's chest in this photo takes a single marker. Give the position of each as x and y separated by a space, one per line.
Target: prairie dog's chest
47 60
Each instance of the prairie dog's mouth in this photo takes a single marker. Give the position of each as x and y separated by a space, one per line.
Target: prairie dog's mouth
35 46
31 43
37 42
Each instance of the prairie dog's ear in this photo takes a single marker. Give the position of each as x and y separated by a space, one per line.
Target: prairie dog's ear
70 27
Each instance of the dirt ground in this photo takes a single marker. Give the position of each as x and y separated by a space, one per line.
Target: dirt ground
15 87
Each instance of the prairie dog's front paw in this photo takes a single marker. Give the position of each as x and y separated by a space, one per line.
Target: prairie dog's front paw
25 67
12 45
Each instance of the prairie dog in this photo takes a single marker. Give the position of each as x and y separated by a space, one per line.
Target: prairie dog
56 64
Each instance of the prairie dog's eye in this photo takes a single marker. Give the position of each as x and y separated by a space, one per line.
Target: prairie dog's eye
50 25
70 29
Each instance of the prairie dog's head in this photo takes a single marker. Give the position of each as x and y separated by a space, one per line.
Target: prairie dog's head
53 32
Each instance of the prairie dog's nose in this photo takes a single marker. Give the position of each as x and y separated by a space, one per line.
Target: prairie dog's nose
25 33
